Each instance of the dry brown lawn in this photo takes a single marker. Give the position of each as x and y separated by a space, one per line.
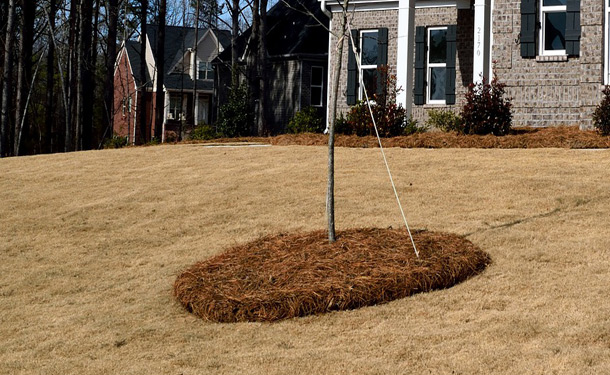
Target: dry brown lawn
91 243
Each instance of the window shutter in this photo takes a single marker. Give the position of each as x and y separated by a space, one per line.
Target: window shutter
573 27
352 70
420 65
382 58
450 69
528 28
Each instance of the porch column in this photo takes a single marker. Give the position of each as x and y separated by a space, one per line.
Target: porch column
482 40
405 51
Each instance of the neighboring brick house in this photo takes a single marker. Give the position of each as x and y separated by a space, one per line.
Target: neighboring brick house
181 67
552 54
297 46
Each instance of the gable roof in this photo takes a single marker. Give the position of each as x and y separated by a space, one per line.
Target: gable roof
133 50
291 31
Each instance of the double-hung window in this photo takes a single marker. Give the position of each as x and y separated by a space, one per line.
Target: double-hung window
368 67
550 28
553 27
205 70
175 108
317 86
437 65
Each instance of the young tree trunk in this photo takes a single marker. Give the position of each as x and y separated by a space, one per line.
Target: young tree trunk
48 145
7 79
160 99
330 192
142 73
263 69
112 11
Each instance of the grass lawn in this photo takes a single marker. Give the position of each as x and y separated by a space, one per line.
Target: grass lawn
91 244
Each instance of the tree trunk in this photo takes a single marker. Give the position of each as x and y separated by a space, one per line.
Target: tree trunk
330 192
113 18
48 145
70 76
84 92
7 79
142 96
24 71
234 32
263 69
160 98
252 62
194 61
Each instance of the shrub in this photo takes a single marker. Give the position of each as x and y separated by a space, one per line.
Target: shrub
412 127
307 120
171 136
444 120
486 110
601 116
389 116
236 117
203 132
342 126
115 142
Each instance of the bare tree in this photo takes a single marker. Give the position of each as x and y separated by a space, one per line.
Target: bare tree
112 12
160 98
49 107
7 79
24 70
142 73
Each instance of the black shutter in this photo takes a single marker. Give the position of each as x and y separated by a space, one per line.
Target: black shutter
420 65
450 70
382 58
529 20
573 27
352 70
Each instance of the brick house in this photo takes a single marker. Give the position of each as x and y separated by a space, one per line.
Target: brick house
552 54
297 48
183 70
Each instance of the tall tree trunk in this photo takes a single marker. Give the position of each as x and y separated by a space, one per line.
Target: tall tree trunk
263 69
83 91
160 98
252 62
112 10
234 32
24 71
194 61
90 94
48 145
330 191
142 97
71 75
7 79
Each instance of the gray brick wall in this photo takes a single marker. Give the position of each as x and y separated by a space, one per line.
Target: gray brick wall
544 93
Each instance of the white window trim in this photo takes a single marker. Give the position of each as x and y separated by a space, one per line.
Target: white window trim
320 86
365 67
429 66
541 37
606 43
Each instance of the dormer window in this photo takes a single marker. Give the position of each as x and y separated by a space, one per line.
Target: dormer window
205 70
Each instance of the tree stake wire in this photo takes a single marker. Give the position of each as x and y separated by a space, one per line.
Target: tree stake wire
385 160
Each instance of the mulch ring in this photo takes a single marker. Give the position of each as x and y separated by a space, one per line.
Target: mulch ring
525 137
290 275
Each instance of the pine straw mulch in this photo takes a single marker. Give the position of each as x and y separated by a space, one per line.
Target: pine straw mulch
290 275
556 137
